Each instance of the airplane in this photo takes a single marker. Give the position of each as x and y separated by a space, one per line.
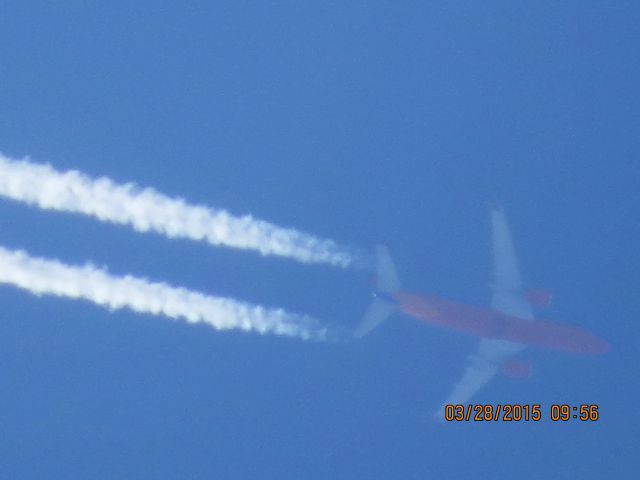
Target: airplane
505 329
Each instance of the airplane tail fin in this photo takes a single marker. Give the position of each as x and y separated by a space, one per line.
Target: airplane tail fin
387 283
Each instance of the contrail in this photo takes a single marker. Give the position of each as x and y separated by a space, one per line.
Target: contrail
44 276
147 210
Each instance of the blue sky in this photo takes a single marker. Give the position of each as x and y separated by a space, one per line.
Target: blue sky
358 121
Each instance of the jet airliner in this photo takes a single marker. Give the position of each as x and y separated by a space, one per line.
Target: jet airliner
505 329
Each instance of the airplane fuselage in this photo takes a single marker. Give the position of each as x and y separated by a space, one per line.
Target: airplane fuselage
488 323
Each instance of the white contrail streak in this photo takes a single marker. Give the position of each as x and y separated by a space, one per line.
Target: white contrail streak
43 276
147 210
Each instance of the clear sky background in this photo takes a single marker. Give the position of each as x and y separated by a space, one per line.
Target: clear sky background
358 121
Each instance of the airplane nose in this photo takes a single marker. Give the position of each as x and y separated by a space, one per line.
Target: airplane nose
604 346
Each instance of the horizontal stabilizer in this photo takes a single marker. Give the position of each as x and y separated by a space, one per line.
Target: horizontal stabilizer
388 281
378 312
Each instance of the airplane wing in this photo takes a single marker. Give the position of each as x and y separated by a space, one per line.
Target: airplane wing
482 367
505 264
508 298
479 371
